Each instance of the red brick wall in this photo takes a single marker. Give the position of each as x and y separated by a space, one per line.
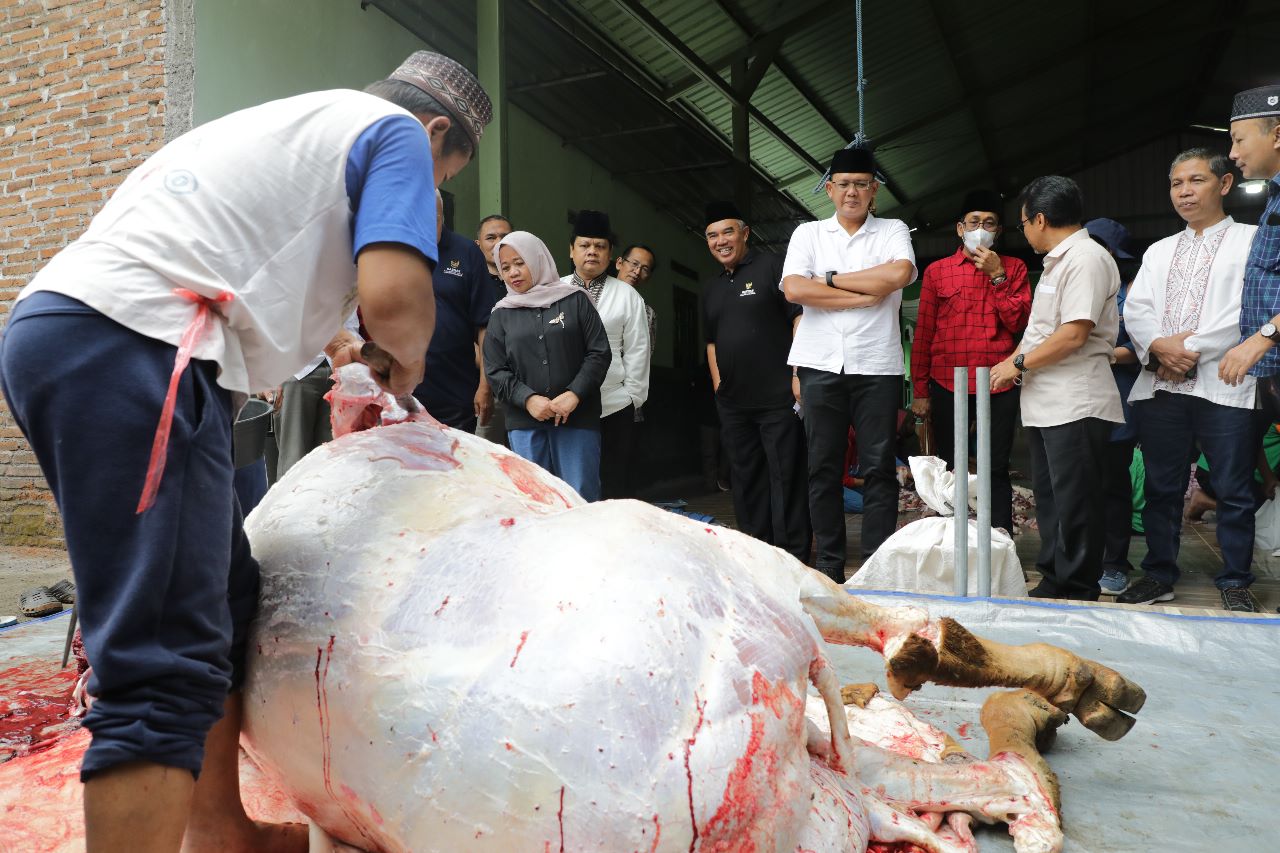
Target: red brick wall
81 103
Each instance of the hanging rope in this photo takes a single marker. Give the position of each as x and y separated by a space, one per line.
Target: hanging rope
860 139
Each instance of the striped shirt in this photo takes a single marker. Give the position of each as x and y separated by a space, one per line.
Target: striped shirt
1261 299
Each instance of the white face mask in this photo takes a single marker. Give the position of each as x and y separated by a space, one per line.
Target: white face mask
979 237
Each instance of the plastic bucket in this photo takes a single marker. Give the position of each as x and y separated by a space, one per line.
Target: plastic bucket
249 434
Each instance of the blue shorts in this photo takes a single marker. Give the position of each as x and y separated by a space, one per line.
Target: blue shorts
165 598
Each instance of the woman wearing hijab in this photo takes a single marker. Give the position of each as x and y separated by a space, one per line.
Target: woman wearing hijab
546 354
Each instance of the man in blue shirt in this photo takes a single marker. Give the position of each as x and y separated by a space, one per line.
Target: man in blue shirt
1255 148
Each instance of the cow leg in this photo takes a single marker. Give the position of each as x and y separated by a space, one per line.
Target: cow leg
919 649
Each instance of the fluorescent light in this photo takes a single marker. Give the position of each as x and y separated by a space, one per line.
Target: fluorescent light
1254 187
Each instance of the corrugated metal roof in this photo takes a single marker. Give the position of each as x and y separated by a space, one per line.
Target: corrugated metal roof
957 95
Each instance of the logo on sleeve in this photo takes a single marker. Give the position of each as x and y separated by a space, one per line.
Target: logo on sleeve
748 289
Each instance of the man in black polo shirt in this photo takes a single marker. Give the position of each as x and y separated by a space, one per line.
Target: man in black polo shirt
748 325
454 389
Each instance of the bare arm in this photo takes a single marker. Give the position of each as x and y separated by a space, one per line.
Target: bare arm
814 293
1064 341
880 280
399 309
715 368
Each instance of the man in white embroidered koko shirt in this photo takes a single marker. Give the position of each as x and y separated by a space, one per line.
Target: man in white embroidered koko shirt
1183 315
848 272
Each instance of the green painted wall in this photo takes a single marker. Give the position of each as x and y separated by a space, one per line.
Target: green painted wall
250 51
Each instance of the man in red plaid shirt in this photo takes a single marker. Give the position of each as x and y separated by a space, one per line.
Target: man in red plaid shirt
972 305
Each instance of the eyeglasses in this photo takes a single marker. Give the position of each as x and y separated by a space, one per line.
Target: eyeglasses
975 224
643 269
860 186
1023 225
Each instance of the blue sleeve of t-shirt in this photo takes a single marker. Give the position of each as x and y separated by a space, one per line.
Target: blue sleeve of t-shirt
390 184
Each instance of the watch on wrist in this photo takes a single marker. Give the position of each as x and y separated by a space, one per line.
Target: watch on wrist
1019 362
1000 279
1270 332
831 278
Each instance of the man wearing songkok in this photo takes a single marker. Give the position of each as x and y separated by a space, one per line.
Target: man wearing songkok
1069 399
749 325
1255 148
973 305
848 272
1183 315
218 268
626 385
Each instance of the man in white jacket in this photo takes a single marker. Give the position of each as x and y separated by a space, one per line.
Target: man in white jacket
626 385
1183 315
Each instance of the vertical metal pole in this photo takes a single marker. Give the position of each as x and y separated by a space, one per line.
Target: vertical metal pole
961 500
491 69
984 481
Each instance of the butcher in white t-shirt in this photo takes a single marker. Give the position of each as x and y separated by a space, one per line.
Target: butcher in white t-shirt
219 268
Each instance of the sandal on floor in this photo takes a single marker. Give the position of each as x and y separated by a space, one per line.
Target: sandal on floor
38 602
64 591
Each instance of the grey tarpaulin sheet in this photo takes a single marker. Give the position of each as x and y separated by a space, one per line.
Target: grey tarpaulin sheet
1200 770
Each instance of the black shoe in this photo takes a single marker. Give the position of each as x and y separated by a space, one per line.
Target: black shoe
1044 590
1240 600
1148 590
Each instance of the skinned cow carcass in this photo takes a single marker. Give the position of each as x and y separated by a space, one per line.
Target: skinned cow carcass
455 652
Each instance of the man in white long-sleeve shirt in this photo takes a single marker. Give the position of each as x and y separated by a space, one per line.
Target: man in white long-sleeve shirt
1183 315
626 385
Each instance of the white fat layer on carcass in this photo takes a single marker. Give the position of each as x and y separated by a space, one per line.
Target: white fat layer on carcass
441 657
454 651
887 724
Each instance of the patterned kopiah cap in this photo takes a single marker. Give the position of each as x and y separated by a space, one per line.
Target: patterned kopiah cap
456 88
1256 103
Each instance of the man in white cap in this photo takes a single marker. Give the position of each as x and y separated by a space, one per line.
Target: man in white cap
217 269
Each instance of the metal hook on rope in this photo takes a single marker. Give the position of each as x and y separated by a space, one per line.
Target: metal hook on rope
860 139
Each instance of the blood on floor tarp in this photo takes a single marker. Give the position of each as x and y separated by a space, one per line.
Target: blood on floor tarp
1201 769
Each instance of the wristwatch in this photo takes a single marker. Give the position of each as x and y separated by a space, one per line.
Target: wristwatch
1018 362
1270 332
830 278
1000 279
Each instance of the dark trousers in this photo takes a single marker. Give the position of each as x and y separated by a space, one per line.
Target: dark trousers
1169 426
1066 474
617 446
767 461
1004 420
1118 488
165 598
831 402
